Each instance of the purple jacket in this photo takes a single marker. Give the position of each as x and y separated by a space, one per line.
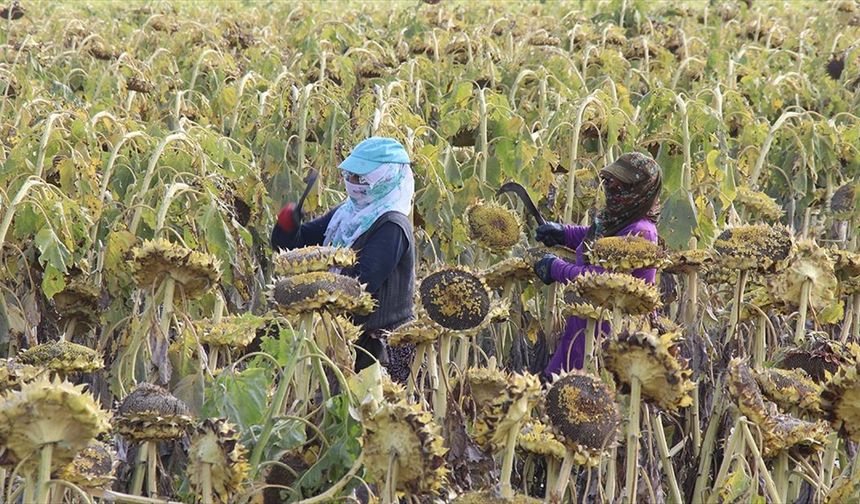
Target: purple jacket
570 352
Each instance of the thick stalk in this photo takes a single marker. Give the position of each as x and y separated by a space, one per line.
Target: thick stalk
855 325
759 349
780 476
617 319
590 360
691 298
552 469
663 449
829 459
482 131
763 472
433 374
441 396
43 494
151 469
505 489
139 470
731 448
740 285
206 484
611 474
563 478
417 363
631 473
706 459
389 492
800 328
695 426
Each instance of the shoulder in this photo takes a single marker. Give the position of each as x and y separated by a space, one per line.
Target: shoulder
644 228
391 226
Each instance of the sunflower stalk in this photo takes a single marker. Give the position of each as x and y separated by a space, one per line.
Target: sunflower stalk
665 459
43 491
740 286
708 443
800 328
762 467
206 483
139 470
417 364
506 490
590 359
151 468
781 475
631 473
829 459
759 346
389 492
563 477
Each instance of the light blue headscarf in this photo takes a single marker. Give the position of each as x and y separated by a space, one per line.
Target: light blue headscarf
387 188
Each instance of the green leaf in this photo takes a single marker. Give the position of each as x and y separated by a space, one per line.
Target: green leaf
678 222
52 252
242 397
53 281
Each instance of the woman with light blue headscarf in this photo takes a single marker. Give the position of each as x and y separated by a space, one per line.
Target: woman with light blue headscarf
373 221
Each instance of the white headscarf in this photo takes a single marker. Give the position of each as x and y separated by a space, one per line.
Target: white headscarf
387 188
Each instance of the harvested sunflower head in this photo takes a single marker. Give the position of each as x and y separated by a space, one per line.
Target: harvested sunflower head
507 410
841 399
408 433
790 388
455 298
819 357
630 295
414 332
810 264
626 253
235 332
654 360
151 413
312 259
493 226
688 261
321 291
62 357
537 438
754 247
216 443
92 468
577 306
512 269
156 260
758 203
46 412
584 415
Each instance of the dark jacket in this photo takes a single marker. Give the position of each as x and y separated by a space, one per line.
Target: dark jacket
386 264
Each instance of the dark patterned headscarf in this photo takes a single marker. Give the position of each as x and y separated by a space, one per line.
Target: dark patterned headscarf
632 186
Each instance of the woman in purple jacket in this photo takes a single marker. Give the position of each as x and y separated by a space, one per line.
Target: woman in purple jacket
632 186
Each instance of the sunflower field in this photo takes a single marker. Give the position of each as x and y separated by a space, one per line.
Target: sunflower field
154 349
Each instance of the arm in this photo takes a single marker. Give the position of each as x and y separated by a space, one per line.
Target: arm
573 235
563 271
309 233
380 255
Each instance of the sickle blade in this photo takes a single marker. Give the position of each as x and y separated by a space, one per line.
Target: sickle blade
520 191
310 180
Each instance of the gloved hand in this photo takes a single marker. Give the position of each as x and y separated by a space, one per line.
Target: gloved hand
543 266
290 217
550 234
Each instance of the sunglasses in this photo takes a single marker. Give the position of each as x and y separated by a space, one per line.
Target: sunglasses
352 178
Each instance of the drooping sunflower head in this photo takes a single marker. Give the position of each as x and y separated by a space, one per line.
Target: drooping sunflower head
810 265
78 301
790 388
410 434
151 413
846 262
688 261
759 203
216 444
62 357
455 298
654 360
584 415
415 332
497 418
512 269
754 247
577 306
843 203
746 392
537 438
13 373
93 468
819 357
841 399
484 383
46 412
493 226
320 291
626 253
154 261
312 259
235 332
609 291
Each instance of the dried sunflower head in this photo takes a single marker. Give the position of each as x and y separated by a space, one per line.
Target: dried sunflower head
754 247
312 259
843 490
576 306
609 291
159 259
488 497
321 291
78 301
151 413
62 357
688 261
507 410
512 269
455 298
392 391
216 443
485 383
414 332
409 433
812 264
653 359
790 388
13 373
235 332
584 415
626 253
535 254
93 468
841 399
758 203
46 412
819 357
537 438
846 262
843 203
493 226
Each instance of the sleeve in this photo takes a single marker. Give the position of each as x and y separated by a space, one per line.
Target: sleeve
380 255
573 235
309 233
563 271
